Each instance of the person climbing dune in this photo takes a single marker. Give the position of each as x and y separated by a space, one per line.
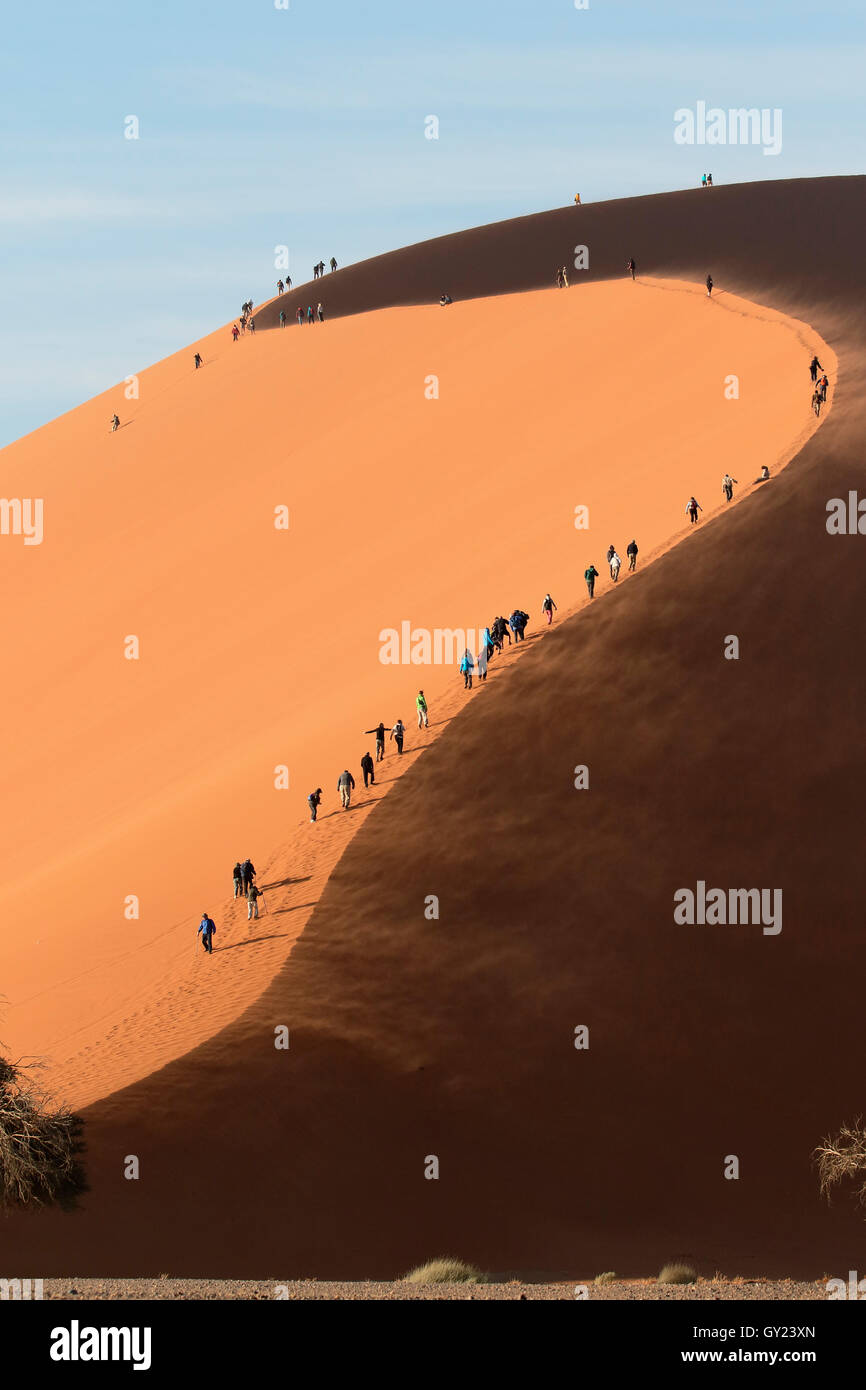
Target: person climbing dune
379 731
345 786
206 932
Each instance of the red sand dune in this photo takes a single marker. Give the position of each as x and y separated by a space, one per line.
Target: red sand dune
411 1037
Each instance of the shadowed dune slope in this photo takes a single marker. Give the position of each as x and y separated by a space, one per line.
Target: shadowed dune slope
454 1037
777 242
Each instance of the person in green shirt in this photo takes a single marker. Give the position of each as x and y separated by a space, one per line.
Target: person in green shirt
591 575
421 706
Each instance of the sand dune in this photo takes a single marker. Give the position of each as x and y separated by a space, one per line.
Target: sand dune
454 1038
260 647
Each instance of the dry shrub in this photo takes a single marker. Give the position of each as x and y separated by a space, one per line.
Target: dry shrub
39 1144
841 1158
445 1270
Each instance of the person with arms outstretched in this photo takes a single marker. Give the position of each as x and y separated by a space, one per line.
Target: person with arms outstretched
379 731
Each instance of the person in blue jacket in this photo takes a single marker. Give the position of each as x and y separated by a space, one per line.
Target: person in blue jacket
517 622
467 666
206 930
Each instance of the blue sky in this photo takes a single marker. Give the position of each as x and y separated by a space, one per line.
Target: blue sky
305 127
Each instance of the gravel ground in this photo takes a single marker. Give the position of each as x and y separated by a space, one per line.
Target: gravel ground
632 1290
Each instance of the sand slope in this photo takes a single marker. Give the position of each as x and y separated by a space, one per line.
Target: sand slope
260 648
411 1038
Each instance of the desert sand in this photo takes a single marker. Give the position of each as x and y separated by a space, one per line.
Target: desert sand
260 648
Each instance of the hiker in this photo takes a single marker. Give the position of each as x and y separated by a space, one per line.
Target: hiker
630 265
252 325
345 783
316 271
320 313
397 734
631 552
709 180
379 731
564 278
481 663
206 931
692 509
703 180
548 607
253 902
282 318
728 486
517 622
235 332
816 401
421 706
115 423
765 475
300 314
467 666
822 386
445 299
197 360
577 199
368 767
309 313
591 575
333 264
559 284
238 880
248 873
615 563
814 368
314 801
279 287
501 630
709 285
